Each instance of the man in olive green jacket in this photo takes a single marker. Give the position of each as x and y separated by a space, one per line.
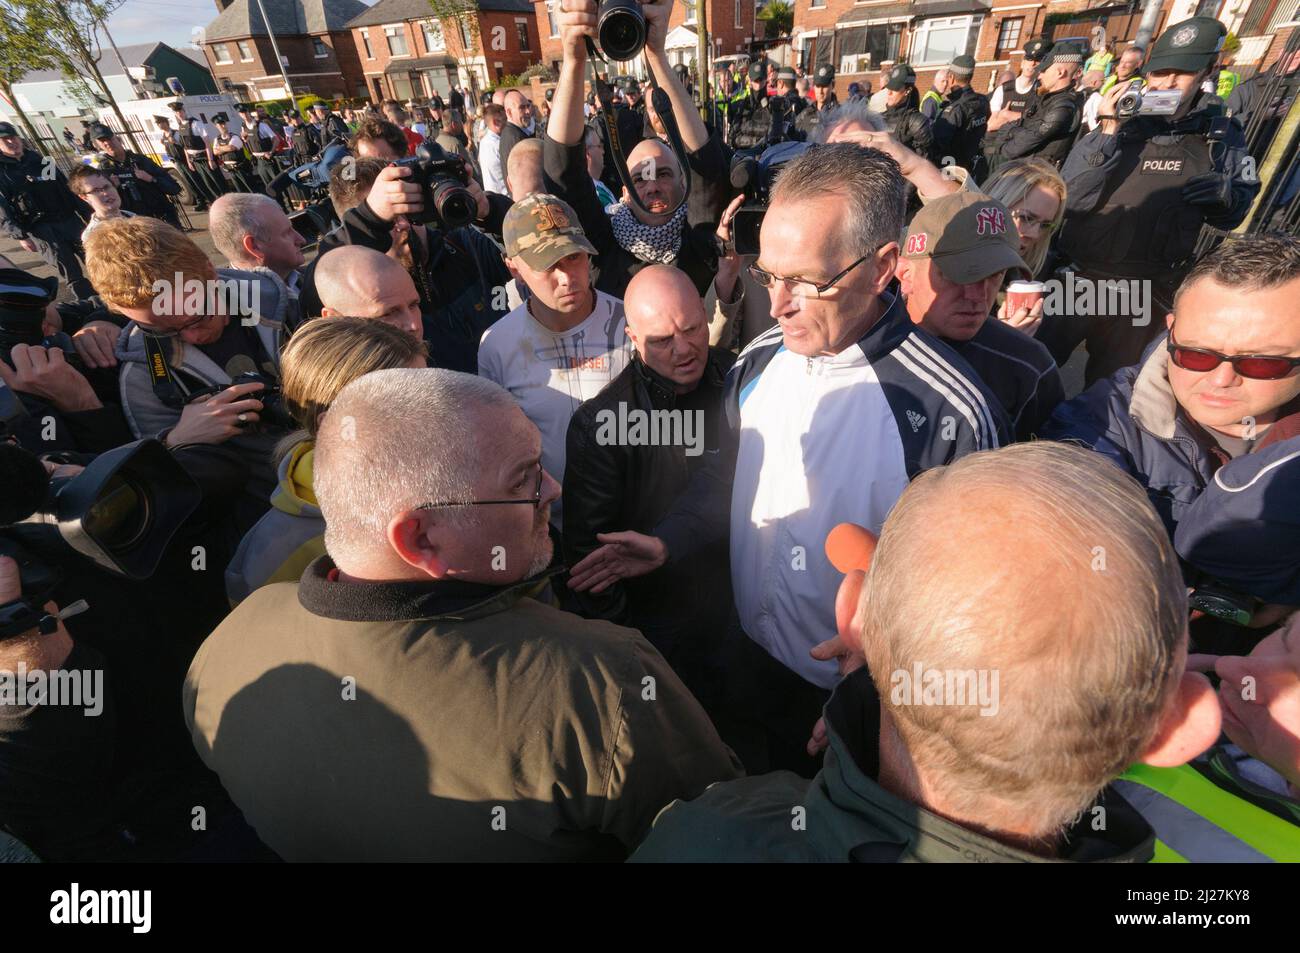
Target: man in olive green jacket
411 698
1005 699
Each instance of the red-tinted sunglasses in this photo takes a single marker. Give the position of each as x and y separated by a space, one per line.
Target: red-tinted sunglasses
1257 367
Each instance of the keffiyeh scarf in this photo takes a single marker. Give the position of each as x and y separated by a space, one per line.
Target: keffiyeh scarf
650 243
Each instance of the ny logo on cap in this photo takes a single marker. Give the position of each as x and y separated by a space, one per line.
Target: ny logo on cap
916 243
550 217
990 221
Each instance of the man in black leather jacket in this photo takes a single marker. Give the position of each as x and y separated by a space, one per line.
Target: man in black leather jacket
631 450
1050 122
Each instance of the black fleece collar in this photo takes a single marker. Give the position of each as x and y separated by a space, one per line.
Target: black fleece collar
320 593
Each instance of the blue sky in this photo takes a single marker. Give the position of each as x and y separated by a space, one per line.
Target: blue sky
171 21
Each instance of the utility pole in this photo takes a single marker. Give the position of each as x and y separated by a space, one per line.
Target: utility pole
279 60
1150 15
702 52
120 62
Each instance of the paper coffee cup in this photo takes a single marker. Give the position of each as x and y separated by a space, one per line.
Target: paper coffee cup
1024 294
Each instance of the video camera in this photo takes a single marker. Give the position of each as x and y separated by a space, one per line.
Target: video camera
313 178
1152 102
442 179
755 177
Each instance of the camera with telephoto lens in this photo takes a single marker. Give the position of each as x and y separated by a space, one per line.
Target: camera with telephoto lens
621 29
755 177
442 179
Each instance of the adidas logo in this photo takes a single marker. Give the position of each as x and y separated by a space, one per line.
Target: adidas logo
916 420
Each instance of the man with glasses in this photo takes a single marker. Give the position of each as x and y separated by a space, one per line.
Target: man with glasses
1226 375
950 279
95 188
830 415
192 330
411 699
144 186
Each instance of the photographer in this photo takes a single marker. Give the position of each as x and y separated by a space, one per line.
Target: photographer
632 238
187 342
1142 188
64 411
458 272
145 187
38 211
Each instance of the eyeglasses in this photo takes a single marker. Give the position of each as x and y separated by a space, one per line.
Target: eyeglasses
1025 220
173 332
535 500
1256 367
801 286
102 190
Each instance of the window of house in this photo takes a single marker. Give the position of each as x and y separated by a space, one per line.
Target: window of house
245 53
433 39
365 41
396 41
221 53
466 37
521 29
690 10
738 14
550 19
318 47
938 40
817 4
1009 35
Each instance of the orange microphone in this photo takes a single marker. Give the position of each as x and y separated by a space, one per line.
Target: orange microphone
850 546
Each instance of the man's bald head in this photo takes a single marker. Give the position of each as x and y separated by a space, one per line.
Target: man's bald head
499 97
524 169
1060 580
658 178
358 282
667 324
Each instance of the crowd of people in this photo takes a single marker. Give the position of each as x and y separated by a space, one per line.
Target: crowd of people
715 493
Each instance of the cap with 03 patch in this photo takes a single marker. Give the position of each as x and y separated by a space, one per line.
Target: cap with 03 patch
541 229
969 237
1188 46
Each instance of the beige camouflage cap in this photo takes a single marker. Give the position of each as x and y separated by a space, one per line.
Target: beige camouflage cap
541 230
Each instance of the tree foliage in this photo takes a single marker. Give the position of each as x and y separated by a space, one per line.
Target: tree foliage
777 17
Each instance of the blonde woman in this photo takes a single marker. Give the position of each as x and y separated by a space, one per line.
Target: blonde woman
322 358
1034 192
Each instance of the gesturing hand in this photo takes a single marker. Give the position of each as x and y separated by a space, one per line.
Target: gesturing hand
623 556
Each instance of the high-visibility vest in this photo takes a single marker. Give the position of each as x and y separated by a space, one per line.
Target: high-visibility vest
1228 81
1100 60
1198 821
938 101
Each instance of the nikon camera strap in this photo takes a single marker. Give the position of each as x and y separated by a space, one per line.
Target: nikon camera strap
165 386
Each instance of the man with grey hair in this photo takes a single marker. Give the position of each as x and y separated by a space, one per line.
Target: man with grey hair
993 709
830 415
410 698
254 234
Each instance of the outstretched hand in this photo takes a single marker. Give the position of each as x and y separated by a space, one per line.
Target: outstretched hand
623 556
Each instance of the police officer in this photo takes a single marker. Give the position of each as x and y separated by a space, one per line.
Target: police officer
629 115
229 151
330 126
902 118
303 137
259 136
793 104
932 101
193 136
1050 121
171 143
1014 94
144 186
1140 189
806 122
961 122
39 211
754 122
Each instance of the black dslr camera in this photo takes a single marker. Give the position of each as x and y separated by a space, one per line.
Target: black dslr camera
273 411
448 203
23 299
754 177
621 29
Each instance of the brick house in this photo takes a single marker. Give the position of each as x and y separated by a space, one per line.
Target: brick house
407 51
313 38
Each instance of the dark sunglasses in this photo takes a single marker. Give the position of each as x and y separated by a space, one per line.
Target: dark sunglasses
1256 367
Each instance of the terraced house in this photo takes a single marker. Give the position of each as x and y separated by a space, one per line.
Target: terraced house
406 49
314 42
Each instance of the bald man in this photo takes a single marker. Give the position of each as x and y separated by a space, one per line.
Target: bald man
631 449
652 226
359 282
520 126
524 170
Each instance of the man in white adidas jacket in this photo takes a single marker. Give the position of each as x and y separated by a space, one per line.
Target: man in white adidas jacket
832 413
